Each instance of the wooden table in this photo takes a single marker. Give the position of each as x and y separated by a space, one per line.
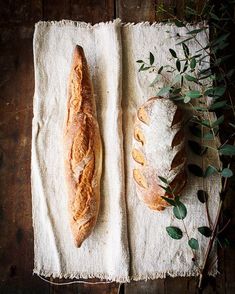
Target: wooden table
16 96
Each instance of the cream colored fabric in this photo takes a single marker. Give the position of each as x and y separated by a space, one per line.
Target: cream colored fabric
129 240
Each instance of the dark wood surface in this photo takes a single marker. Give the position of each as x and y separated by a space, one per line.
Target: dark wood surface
17 20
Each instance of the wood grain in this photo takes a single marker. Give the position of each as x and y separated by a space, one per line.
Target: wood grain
16 92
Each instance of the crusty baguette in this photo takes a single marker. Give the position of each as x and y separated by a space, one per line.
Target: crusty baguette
158 150
83 150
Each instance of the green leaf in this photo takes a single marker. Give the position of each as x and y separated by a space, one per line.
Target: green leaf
218 105
205 123
193 243
178 65
145 68
220 39
196 147
195 170
164 180
180 210
160 70
215 92
190 78
208 136
169 200
167 189
187 99
196 131
186 50
196 31
139 61
199 108
155 81
214 16
205 231
179 24
173 53
219 121
227 150
210 170
164 91
227 173
194 94
151 58
193 63
185 66
177 79
185 40
174 232
202 196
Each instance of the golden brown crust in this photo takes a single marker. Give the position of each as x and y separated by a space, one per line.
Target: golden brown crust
83 151
148 185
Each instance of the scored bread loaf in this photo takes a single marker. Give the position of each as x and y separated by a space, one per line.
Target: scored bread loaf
82 149
158 150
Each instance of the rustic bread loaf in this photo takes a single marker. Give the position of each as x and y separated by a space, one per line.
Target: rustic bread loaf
83 150
158 150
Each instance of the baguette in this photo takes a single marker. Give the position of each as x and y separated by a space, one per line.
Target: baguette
83 151
158 150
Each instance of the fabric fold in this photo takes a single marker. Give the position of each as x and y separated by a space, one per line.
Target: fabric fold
129 241
105 253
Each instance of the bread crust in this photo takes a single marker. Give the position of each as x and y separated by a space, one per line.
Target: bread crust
82 150
146 142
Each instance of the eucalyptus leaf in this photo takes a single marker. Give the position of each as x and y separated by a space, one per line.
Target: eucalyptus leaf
196 31
185 40
220 39
178 64
193 243
177 79
169 200
173 53
190 78
219 121
195 170
205 231
193 63
174 232
215 92
151 58
187 99
210 170
226 173
227 150
194 94
160 70
202 196
208 136
164 90
186 50
179 24
185 66
217 105
180 210
140 61
164 180
195 130
154 81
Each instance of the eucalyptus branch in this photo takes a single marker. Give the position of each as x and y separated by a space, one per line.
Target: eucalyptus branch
213 235
176 90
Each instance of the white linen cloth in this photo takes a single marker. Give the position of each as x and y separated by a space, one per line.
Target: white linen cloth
129 240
